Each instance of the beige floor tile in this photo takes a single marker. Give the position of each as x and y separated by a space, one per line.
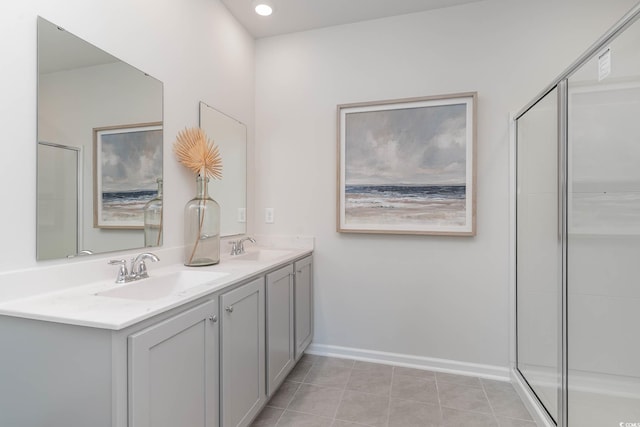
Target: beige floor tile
412 388
364 408
328 375
333 361
297 419
510 407
268 417
284 395
505 400
456 418
316 400
417 373
311 358
370 381
458 379
463 397
368 366
300 371
330 392
405 413
340 423
498 387
510 422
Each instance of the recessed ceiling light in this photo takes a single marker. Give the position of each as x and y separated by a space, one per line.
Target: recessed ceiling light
263 7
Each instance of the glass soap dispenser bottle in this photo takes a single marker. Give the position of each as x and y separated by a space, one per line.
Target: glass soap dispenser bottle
202 228
153 219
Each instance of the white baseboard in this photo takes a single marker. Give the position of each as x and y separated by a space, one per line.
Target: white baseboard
409 361
596 383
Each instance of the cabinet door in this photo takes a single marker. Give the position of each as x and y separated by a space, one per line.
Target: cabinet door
280 357
173 371
303 304
242 371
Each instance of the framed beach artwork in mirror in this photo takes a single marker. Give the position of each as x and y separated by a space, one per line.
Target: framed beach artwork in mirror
127 165
407 166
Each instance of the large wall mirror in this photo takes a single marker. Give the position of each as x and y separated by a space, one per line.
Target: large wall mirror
231 191
99 148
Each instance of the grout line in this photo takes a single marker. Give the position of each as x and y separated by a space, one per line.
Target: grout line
288 403
308 371
435 380
279 418
309 413
344 390
293 396
486 396
393 374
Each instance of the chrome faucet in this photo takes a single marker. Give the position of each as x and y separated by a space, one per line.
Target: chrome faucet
81 253
138 267
123 273
237 246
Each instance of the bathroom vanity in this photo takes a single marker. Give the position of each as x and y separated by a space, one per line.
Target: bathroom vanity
107 355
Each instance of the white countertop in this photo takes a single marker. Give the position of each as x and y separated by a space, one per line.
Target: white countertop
79 305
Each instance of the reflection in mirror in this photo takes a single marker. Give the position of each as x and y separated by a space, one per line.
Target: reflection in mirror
231 191
99 148
59 189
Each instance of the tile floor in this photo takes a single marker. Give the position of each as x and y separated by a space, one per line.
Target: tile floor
329 392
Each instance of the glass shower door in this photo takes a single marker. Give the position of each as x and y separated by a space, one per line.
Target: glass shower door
539 251
58 200
604 237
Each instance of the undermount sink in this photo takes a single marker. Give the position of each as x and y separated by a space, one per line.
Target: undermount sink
261 255
155 287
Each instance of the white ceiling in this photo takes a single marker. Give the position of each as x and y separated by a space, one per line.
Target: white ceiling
300 15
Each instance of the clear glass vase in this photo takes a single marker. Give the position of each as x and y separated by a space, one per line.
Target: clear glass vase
153 219
201 228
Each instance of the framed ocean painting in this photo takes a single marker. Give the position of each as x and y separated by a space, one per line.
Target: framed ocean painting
407 166
127 161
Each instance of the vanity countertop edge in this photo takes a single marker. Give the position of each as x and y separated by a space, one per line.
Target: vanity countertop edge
81 306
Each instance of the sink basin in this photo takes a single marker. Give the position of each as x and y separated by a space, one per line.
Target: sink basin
156 287
261 255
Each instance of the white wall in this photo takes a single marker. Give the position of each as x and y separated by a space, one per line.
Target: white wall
432 297
196 48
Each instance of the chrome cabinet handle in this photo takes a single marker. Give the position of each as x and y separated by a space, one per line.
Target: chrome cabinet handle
229 309
213 318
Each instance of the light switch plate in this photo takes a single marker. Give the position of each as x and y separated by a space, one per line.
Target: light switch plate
269 216
242 214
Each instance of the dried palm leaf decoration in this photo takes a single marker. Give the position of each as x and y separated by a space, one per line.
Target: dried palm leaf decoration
202 156
198 153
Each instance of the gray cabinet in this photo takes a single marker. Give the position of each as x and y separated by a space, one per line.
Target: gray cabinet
280 326
303 291
53 374
242 365
173 371
203 364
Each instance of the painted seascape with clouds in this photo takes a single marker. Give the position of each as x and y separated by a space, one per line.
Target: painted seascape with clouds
408 167
128 162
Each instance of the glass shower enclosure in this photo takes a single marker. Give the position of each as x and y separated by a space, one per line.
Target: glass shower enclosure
577 238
